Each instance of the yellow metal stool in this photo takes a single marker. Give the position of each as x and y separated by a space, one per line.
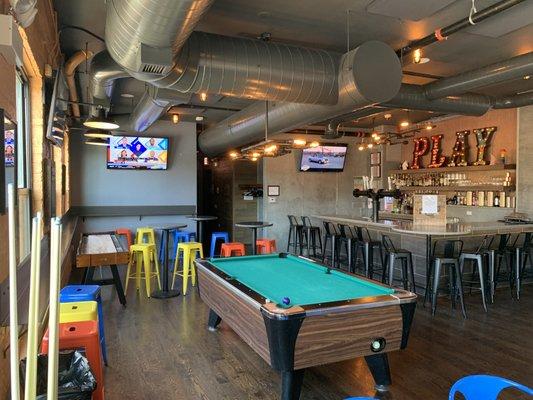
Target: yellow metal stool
145 233
78 311
188 251
143 255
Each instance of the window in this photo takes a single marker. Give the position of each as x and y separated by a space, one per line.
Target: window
23 160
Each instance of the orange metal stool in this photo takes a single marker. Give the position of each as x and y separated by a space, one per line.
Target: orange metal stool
265 246
76 335
227 249
127 233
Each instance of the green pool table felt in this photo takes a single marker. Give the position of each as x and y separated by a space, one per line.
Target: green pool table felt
303 282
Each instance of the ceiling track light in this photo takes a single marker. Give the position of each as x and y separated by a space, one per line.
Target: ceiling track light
175 118
101 121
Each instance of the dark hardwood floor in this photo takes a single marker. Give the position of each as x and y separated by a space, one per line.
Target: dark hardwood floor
161 349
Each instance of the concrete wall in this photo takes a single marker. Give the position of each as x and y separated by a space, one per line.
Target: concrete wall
524 177
308 193
95 185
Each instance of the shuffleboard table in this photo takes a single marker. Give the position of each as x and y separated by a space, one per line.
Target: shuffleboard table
296 313
102 249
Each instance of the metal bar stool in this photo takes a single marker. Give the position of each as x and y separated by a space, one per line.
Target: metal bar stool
346 239
367 245
295 235
505 256
523 254
447 253
481 258
405 257
312 236
330 234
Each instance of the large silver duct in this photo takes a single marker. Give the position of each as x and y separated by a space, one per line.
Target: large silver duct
369 74
519 100
139 35
154 103
413 97
514 68
143 35
104 71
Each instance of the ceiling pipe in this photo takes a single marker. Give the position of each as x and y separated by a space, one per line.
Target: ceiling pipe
514 68
139 34
152 105
104 72
70 69
333 127
519 100
443 33
369 74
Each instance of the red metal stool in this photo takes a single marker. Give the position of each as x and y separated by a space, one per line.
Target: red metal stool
265 246
76 335
227 249
127 233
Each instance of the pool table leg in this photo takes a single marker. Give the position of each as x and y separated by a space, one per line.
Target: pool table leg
378 364
291 384
214 321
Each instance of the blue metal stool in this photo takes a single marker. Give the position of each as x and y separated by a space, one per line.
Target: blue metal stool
75 293
224 236
484 387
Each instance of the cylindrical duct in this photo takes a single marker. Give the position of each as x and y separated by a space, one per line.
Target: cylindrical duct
369 74
105 71
153 23
70 69
254 69
154 103
519 100
412 97
513 68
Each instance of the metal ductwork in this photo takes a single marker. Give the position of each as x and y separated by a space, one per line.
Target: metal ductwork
70 69
140 34
154 103
104 72
514 68
413 97
369 74
519 100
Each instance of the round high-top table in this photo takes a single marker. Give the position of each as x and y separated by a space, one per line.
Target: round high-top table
200 221
166 292
254 226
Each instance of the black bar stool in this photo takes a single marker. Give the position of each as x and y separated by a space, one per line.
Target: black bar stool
367 245
509 245
346 240
447 253
295 235
405 257
523 254
330 234
312 236
481 258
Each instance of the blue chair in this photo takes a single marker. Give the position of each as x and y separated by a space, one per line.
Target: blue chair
484 387
224 236
76 293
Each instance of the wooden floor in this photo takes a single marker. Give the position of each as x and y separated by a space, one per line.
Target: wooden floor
161 349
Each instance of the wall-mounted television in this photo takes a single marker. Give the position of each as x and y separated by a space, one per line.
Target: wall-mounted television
326 158
134 152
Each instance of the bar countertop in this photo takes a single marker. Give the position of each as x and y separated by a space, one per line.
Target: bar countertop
451 229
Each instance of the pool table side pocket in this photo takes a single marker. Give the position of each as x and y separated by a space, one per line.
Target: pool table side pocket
335 337
235 310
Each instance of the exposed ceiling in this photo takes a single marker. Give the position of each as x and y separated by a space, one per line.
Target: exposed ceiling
323 24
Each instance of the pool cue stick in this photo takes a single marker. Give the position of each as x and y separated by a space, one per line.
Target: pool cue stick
13 298
30 388
53 316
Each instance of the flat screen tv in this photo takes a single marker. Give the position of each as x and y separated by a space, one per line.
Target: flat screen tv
326 158
134 152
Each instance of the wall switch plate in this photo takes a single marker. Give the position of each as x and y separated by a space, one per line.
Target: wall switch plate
271 199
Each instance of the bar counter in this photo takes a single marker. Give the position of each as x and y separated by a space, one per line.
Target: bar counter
418 239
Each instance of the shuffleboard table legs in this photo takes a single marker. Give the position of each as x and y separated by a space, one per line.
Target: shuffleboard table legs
214 321
378 364
291 384
118 285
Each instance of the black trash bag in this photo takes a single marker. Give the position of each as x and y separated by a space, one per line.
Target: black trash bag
75 378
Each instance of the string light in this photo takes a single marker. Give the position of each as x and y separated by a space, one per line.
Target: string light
175 118
234 154
299 142
270 149
404 124
369 145
203 96
314 144
361 147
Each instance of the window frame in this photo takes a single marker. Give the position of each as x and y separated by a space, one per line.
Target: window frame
23 106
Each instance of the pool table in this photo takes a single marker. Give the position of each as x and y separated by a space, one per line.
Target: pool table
296 313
